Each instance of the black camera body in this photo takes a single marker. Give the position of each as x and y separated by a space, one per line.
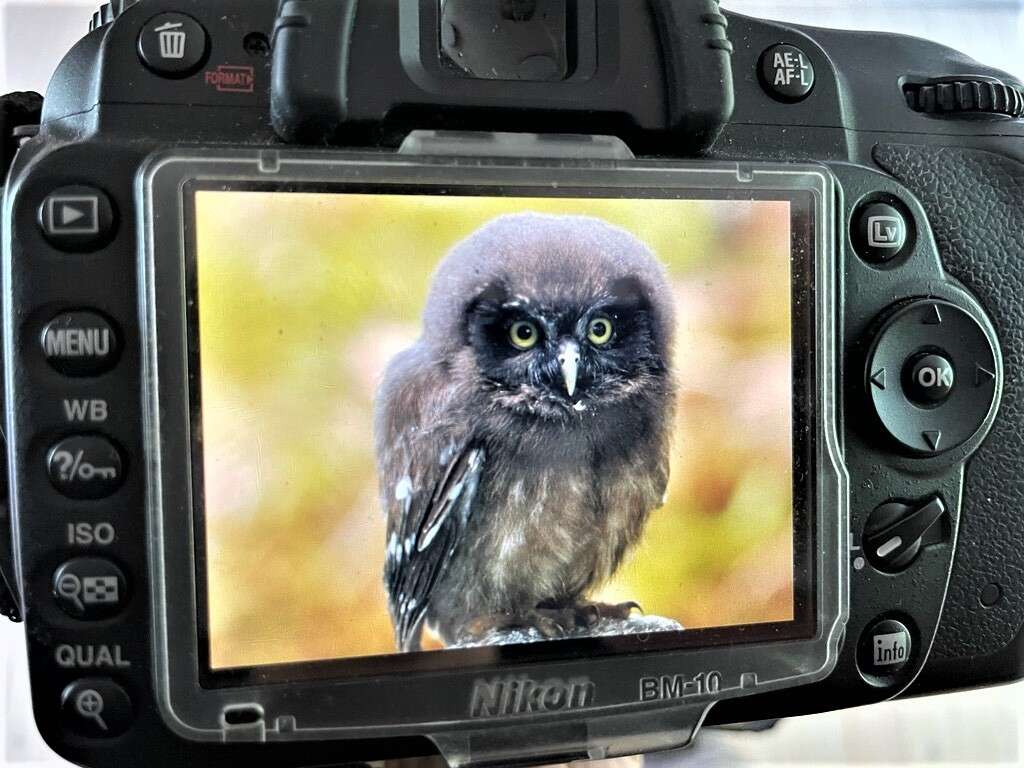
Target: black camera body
913 560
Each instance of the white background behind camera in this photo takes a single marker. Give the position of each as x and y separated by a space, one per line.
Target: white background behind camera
979 727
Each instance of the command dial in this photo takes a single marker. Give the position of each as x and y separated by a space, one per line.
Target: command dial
960 97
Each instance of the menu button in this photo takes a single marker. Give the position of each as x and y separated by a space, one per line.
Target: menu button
80 344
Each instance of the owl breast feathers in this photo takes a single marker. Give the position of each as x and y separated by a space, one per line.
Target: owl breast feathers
523 440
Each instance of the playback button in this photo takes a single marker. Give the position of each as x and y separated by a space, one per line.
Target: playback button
78 219
85 467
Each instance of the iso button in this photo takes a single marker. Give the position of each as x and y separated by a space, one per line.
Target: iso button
80 344
85 467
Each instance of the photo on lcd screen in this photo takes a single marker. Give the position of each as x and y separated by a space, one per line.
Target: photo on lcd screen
449 421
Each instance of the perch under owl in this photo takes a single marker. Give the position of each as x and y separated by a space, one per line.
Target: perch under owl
523 440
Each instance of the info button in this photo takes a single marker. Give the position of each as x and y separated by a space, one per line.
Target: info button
80 343
885 648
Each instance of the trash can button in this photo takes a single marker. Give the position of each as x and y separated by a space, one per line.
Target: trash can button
173 45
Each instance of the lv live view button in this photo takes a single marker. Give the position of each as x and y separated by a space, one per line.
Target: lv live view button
881 232
77 219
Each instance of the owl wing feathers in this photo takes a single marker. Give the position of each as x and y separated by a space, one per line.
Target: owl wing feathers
436 500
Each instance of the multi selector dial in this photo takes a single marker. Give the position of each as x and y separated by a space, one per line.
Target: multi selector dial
933 375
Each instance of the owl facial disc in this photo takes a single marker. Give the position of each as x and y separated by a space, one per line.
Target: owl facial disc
569 359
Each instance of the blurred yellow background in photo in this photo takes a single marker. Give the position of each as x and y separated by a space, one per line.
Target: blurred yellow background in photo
304 298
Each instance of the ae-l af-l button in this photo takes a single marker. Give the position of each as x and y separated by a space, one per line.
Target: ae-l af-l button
786 73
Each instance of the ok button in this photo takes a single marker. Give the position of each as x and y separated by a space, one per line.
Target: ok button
929 378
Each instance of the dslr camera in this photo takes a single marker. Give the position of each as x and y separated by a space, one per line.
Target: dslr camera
511 380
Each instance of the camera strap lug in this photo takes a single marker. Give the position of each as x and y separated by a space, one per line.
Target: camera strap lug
518 145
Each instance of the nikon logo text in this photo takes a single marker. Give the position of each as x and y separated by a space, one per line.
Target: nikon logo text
519 695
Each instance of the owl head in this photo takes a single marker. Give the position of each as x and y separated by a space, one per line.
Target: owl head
557 316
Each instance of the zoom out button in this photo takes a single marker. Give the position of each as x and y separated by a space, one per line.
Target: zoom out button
90 588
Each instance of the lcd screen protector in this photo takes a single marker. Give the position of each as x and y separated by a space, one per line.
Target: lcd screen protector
428 422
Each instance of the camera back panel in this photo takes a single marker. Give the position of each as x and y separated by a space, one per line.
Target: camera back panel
927 335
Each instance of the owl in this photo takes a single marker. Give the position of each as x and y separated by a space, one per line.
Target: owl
523 440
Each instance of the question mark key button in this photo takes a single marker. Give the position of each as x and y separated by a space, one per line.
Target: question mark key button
90 588
85 467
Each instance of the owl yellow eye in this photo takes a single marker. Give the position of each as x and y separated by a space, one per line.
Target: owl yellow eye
600 331
523 335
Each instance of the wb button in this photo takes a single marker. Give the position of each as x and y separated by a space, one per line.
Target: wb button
885 648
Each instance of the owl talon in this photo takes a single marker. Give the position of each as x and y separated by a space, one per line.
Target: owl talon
590 615
549 623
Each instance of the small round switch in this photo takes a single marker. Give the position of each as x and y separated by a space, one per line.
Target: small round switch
895 532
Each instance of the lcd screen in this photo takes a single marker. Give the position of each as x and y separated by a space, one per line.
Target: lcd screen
457 421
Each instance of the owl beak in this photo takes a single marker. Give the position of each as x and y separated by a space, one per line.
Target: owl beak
569 359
